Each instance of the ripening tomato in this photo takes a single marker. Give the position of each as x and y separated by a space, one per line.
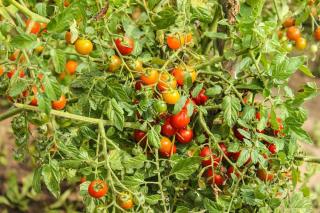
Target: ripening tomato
67 37
35 28
258 116
201 98
166 81
272 148
293 33
83 179
180 120
1 70
124 200
66 3
115 63
207 156
84 46
231 170
280 125
39 49
138 85
160 106
166 147
184 136
150 77
167 129
98 188
171 96
140 136
125 45
317 34
71 67
173 42
264 175
34 100
59 104
179 73
214 178
12 72
137 66
311 2
289 22
301 43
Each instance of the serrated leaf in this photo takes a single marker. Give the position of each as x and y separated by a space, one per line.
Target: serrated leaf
248 113
195 92
51 176
133 182
58 59
213 91
36 180
154 136
231 107
179 105
136 162
243 158
17 86
164 18
115 113
115 159
24 41
185 167
153 199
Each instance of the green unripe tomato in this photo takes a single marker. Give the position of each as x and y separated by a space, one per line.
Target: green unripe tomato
160 106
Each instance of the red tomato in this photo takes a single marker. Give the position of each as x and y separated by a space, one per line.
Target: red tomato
138 85
293 33
140 136
231 170
35 29
173 42
214 178
223 148
180 120
1 70
59 104
207 155
272 148
125 45
83 179
258 116
97 188
201 99
12 72
184 136
166 147
167 129
264 175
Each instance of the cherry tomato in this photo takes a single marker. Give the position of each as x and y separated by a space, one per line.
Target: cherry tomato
12 72
214 178
66 3
272 148
115 63
166 147
223 148
97 188
34 100
160 106
67 37
71 67
258 116
137 66
84 46
124 200
188 38
1 70
280 125
83 179
166 81
173 42
35 28
59 104
289 22
201 99
317 34
150 77
140 136
264 175
138 85
280 34
231 170
180 120
171 96
293 33
167 129
207 156
125 45
184 136
301 43
179 73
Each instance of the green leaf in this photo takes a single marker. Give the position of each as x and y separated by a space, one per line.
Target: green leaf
164 18
133 182
310 90
115 90
213 91
248 113
179 105
115 114
136 162
51 176
58 60
195 92
185 167
17 86
306 71
154 136
203 14
115 159
53 90
244 156
214 35
41 9
231 107
153 199
36 180
24 41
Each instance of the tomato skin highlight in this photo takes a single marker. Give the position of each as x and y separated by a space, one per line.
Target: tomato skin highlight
167 129
293 33
184 136
125 45
100 192
35 29
166 147
59 104
71 67
83 46
180 120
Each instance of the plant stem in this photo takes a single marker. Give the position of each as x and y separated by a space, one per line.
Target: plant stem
160 183
26 11
277 10
308 159
10 113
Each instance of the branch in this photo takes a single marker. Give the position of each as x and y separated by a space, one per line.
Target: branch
307 159
10 113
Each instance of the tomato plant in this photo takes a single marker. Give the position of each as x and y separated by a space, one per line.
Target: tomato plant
163 106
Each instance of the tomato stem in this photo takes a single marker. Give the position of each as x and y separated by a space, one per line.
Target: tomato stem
10 113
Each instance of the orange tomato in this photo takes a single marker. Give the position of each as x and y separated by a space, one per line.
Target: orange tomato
71 67
289 22
166 81
188 38
171 96
66 3
115 63
67 37
179 73
301 43
84 46
59 104
293 33
124 200
35 28
1 70
317 34
173 42
166 147
150 77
